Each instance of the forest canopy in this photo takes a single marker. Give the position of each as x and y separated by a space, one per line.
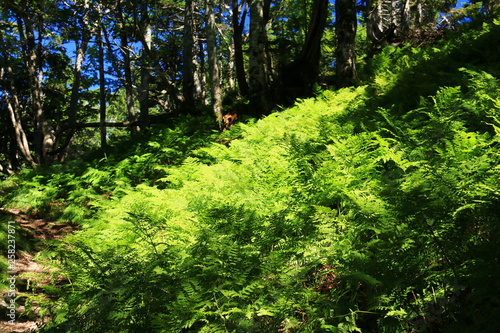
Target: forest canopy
357 190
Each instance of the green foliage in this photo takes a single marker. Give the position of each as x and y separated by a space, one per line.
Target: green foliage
368 209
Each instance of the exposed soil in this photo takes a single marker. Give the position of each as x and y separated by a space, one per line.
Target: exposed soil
33 276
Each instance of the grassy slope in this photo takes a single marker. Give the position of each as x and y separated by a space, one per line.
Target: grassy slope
370 208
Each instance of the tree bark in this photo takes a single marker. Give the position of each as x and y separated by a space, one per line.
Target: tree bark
127 65
188 40
258 83
200 79
102 90
298 77
13 107
374 25
43 137
345 27
80 50
231 82
238 45
405 18
146 39
213 66
149 64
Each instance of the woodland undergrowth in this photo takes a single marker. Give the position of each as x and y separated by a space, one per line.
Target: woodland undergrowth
368 209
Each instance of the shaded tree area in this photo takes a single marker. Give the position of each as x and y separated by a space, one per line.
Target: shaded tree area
127 65
299 76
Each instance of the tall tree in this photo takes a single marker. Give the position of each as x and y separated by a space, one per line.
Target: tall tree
298 77
31 38
127 63
239 15
102 87
11 99
31 31
188 55
81 32
345 26
213 66
145 36
200 79
258 93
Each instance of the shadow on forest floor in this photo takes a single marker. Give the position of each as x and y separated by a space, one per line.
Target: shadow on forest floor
32 276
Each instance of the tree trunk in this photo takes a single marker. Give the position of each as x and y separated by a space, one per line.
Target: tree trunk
80 50
21 139
213 66
238 46
127 66
200 79
405 18
374 25
146 39
419 15
149 63
345 27
188 40
43 137
258 84
102 91
298 77
231 82
312 45
12 102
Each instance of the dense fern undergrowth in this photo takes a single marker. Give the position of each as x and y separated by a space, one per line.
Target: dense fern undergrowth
369 209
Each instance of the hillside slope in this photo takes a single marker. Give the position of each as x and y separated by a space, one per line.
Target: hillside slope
370 209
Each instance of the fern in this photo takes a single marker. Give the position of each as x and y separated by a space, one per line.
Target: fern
366 209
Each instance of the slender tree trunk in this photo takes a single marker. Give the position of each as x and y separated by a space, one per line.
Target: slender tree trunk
81 47
258 83
43 137
405 18
188 40
10 150
102 91
419 15
146 39
200 79
345 27
127 67
231 82
21 139
375 30
149 63
213 66
80 50
13 155
13 107
31 33
238 45
126 77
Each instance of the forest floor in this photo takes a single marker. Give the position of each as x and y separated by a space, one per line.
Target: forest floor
33 276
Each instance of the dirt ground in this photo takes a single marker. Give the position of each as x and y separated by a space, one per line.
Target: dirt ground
32 274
